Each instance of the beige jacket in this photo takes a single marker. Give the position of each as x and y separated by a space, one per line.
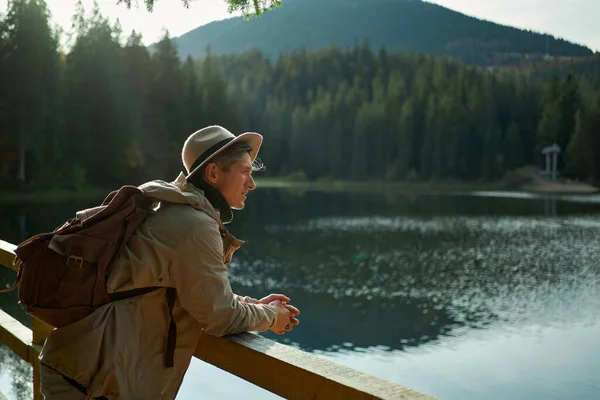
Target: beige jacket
119 350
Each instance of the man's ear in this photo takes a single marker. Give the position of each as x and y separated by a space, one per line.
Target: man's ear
211 173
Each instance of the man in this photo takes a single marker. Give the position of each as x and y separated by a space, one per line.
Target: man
140 348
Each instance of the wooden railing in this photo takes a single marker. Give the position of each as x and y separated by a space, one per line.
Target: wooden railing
260 361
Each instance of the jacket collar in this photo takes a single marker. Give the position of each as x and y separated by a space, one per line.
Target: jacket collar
216 199
181 192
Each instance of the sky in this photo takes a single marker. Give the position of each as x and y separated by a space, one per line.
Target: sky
574 20
577 21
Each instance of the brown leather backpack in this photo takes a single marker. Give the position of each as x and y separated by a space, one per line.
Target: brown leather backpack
62 275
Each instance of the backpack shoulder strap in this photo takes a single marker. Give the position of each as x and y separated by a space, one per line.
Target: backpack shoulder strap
17 280
172 335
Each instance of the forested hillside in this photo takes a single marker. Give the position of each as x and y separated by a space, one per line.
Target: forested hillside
360 114
109 113
588 67
396 25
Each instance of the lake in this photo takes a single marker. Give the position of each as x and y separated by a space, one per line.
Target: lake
460 296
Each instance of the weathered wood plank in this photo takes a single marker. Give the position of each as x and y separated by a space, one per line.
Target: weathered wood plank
15 335
7 254
292 373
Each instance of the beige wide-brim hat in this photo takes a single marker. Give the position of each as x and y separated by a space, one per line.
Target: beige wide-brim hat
206 143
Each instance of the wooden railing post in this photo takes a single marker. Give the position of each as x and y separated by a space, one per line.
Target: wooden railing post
37 389
40 332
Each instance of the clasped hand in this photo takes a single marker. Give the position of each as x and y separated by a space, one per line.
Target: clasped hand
286 313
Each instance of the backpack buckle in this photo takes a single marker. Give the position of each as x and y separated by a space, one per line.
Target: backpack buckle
76 259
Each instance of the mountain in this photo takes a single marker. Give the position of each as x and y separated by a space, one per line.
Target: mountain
585 67
407 25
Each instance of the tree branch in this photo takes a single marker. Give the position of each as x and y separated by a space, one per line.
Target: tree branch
247 7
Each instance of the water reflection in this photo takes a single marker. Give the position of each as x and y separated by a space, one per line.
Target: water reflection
20 372
550 206
424 276
395 272
354 323
20 221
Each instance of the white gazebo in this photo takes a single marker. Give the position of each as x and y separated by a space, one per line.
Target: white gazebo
551 152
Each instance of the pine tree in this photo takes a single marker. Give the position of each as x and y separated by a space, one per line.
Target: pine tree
138 75
594 120
403 144
195 116
97 111
430 151
513 147
166 103
217 105
30 59
568 104
492 159
300 125
580 157
247 7
359 159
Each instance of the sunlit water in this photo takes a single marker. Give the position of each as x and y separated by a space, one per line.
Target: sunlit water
484 296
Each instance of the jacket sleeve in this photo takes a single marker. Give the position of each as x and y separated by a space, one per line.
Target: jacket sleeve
245 299
200 278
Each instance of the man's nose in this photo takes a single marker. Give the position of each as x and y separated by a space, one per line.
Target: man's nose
251 183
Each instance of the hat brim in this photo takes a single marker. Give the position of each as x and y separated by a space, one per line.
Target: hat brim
254 139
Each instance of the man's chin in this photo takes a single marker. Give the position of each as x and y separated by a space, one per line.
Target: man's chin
238 207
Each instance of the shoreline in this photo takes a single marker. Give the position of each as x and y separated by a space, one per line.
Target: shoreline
550 187
536 186
51 195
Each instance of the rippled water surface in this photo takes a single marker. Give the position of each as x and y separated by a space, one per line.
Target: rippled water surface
458 296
